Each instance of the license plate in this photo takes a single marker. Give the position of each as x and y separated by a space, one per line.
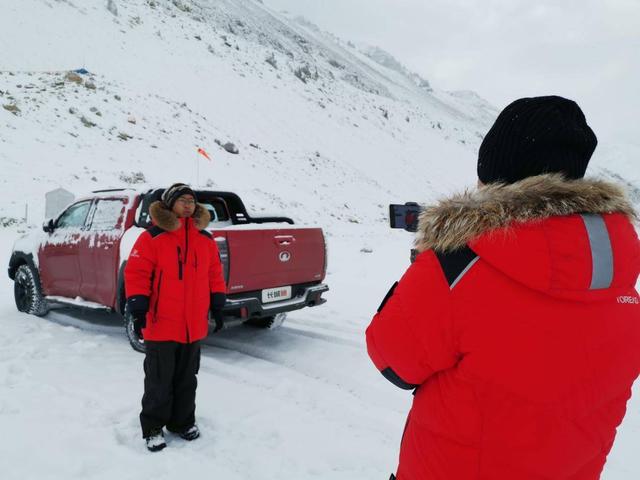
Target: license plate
276 294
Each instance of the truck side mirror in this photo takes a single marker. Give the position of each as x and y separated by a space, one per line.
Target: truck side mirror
49 225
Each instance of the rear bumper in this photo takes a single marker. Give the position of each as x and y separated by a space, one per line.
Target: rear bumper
249 307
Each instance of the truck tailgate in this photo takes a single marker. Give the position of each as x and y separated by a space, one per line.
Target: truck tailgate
260 259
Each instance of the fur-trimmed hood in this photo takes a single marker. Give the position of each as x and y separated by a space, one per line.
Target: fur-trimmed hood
455 221
167 220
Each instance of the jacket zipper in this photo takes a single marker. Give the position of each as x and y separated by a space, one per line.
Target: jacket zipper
179 264
155 310
186 241
186 256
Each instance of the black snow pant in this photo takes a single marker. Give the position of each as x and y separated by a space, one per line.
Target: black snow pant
170 384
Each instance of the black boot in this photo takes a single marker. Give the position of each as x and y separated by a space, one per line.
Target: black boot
155 441
189 434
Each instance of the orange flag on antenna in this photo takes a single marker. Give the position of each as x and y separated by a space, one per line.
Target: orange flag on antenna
202 152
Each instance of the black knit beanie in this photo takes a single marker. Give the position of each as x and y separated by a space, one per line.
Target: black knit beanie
175 191
536 135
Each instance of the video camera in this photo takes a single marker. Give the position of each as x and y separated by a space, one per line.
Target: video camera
405 216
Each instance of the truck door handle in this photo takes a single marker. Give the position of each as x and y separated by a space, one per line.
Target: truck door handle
284 240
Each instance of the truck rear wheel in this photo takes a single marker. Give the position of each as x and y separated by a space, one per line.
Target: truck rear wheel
136 342
267 322
28 293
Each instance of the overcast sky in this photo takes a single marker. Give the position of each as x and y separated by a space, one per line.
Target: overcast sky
588 50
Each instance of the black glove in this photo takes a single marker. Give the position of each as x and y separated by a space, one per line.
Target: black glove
218 299
138 307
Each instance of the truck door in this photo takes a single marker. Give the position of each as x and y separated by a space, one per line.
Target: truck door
58 255
99 256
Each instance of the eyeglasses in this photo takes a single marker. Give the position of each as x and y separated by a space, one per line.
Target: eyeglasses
186 201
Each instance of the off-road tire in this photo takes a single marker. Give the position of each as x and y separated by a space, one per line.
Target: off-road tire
27 291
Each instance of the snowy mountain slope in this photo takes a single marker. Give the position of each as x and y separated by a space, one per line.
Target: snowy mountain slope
191 73
310 113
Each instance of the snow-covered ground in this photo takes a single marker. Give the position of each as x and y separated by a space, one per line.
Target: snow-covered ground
302 401
328 133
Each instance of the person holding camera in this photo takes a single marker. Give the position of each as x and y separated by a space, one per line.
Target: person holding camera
173 278
518 325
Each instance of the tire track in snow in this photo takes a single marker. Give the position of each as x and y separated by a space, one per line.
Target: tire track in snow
310 354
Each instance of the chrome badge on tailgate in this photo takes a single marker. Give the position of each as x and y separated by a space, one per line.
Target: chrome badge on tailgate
284 256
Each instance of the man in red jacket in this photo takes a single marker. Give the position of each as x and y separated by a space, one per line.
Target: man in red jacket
518 324
172 279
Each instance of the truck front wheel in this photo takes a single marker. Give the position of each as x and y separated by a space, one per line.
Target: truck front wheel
28 293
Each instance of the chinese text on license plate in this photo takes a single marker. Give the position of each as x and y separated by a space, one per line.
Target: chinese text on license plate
275 294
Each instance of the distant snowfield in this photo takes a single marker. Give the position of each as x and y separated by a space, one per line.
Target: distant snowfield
302 401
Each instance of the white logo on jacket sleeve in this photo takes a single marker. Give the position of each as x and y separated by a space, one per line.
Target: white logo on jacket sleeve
628 300
134 253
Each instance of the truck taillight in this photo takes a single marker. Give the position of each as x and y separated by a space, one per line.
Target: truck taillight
223 249
326 255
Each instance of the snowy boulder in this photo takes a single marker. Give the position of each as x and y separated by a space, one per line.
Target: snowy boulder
86 122
132 178
181 6
112 7
304 73
336 64
12 107
228 146
271 60
231 148
73 78
8 221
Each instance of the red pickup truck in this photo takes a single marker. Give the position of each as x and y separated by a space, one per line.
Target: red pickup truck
79 257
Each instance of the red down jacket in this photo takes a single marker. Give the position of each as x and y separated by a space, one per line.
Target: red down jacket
177 266
519 324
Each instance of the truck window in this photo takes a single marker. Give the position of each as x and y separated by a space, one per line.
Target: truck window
108 215
74 216
217 209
